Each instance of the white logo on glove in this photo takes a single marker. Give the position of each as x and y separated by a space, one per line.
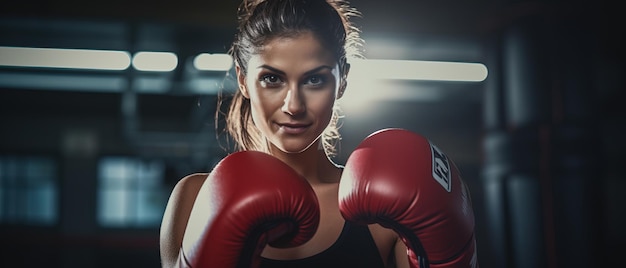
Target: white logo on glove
441 168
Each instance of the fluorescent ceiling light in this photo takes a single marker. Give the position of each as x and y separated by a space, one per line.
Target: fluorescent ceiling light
213 62
155 61
417 70
64 58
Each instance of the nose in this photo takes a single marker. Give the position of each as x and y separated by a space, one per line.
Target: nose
293 103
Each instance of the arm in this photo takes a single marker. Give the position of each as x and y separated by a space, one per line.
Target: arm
400 254
176 216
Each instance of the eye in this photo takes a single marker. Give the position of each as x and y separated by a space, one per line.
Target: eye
315 80
270 80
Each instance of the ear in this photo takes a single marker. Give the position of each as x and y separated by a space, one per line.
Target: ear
241 81
344 81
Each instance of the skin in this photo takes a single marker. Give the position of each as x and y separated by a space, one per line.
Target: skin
292 85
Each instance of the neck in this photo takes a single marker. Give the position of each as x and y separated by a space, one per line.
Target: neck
313 164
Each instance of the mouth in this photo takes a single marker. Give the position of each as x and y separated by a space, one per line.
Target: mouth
293 128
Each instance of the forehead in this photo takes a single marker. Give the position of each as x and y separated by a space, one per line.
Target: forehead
303 46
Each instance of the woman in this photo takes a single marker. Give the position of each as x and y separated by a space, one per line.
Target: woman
291 65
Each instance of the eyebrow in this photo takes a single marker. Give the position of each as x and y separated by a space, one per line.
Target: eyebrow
264 66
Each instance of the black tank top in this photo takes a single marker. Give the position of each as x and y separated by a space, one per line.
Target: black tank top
355 247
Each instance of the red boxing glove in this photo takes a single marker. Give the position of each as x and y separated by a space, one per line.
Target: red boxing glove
249 200
401 181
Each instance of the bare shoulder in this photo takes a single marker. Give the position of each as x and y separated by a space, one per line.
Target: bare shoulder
190 183
184 195
176 216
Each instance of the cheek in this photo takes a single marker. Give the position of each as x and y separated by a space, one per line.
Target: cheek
262 106
323 105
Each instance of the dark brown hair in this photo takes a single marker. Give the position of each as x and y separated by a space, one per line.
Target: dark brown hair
263 20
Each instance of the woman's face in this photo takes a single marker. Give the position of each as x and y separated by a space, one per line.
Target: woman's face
292 85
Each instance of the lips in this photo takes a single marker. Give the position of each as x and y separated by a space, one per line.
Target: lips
293 128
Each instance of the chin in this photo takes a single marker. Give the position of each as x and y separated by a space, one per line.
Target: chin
296 148
295 145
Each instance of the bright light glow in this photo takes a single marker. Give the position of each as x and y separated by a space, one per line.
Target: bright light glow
155 61
417 70
213 62
64 58
362 95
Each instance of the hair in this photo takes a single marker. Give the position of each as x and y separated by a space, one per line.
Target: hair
259 22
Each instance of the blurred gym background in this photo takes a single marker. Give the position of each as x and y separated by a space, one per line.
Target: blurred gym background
105 105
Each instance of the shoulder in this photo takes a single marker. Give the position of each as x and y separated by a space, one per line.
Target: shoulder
176 216
189 184
186 189
184 195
